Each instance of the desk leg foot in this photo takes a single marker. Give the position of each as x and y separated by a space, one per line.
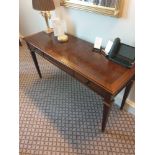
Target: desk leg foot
106 109
36 63
126 93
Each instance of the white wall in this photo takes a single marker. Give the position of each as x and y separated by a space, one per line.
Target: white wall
88 25
30 20
84 24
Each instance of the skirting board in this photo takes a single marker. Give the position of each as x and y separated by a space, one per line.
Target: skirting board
129 105
21 36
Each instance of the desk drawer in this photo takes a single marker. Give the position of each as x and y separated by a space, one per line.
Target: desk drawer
96 88
34 49
81 78
39 52
66 69
59 65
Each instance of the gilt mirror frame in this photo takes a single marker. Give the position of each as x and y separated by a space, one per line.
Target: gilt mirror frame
82 5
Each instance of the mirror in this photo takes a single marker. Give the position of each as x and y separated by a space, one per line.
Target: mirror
106 7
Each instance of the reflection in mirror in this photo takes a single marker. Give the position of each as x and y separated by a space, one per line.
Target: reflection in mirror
107 3
106 7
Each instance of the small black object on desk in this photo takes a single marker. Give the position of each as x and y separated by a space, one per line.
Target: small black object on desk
100 51
97 50
122 54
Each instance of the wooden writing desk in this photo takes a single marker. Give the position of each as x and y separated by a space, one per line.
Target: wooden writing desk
92 69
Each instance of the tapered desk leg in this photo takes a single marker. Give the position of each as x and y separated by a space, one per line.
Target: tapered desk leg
36 63
107 103
126 93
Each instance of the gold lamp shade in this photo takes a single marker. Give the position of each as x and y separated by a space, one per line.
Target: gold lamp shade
43 5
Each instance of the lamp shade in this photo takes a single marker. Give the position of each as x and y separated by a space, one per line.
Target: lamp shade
43 5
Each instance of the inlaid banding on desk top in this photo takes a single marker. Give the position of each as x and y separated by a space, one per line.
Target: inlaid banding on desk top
77 54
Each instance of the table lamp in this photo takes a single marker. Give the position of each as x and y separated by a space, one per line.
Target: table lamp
45 6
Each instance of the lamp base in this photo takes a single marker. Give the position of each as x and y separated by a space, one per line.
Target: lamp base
62 38
49 30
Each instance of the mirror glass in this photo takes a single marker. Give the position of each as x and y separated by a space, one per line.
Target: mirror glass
106 7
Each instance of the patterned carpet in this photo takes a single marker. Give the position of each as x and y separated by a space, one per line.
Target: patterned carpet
60 116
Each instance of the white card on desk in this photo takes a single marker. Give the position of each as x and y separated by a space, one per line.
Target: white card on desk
108 47
98 42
